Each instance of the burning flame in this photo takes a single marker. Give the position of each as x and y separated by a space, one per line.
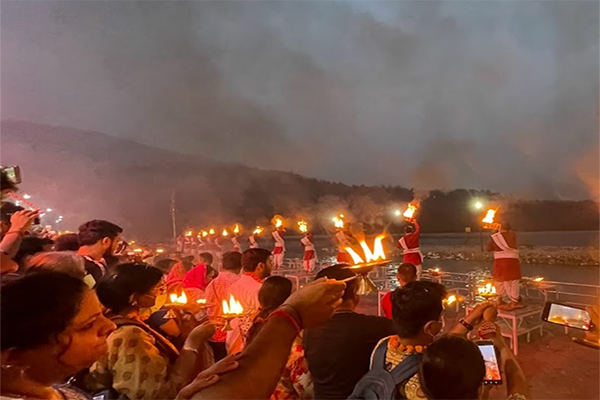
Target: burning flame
339 221
257 231
277 221
236 229
539 279
199 234
211 231
303 226
201 301
188 233
204 234
137 250
178 299
451 299
234 306
160 251
225 233
410 211
487 290
370 256
489 216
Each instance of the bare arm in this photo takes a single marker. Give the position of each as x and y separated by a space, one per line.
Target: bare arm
265 357
10 243
259 367
515 378
20 222
417 227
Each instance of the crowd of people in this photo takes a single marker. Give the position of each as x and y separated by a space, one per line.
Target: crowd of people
81 320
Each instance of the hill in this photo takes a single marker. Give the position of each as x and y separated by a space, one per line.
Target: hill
84 175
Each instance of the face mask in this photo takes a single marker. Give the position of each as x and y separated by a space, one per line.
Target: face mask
159 301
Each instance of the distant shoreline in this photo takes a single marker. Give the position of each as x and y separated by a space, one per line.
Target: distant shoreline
554 255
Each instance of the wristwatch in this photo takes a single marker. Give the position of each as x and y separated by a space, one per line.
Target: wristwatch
465 324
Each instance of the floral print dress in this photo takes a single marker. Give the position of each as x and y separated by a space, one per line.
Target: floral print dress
295 382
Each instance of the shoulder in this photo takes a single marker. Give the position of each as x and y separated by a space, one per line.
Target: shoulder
376 320
130 336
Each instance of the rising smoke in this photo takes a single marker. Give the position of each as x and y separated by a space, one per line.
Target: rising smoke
433 95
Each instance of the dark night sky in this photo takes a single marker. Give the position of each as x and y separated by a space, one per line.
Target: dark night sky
499 95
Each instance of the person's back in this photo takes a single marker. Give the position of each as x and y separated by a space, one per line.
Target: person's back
256 266
338 352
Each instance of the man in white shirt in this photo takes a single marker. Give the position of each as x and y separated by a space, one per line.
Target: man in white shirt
256 266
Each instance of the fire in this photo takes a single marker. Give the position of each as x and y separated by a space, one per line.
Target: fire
225 233
137 250
257 231
189 233
339 221
236 229
234 306
303 226
199 234
277 221
178 299
160 251
489 216
487 290
539 279
211 231
201 301
204 234
370 256
451 299
411 209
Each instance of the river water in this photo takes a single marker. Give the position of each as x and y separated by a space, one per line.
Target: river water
563 273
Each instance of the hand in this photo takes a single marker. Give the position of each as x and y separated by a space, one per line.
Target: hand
490 314
209 377
476 315
593 334
200 334
22 220
498 340
317 301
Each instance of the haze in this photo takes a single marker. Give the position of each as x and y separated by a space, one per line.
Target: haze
499 95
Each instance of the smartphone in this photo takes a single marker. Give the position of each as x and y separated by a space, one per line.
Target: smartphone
13 174
492 368
564 314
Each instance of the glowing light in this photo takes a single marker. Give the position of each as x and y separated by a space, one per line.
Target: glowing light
211 231
201 301
178 299
303 226
225 233
132 242
189 233
160 251
478 205
411 209
236 229
257 231
489 216
48 210
204 234
138 250
397 213
233 307
539 279
369 256
450 300
339 221
487 291
277 221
